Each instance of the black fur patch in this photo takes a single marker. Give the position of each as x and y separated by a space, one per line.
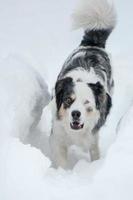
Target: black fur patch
96 38
98 92
63 89
103 103
87 59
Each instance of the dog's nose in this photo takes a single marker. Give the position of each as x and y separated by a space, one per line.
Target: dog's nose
76 114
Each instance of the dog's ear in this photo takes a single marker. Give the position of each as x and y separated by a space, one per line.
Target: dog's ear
108 104
60 88
61 84
99 93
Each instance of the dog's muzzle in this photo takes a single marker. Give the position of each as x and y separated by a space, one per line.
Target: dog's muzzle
75 124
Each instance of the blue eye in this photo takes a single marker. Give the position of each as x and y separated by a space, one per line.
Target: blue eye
89 109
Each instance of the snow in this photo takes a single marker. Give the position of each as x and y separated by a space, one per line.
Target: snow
31 54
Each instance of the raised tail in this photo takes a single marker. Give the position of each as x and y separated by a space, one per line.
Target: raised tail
97 18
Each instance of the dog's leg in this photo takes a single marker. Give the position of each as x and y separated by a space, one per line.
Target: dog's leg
94 148
59 156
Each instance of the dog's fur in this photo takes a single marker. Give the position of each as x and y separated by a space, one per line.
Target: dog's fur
84 86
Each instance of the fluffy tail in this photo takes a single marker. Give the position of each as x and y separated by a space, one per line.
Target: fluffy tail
97 18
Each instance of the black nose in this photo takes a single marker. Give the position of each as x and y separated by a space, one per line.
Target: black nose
76 114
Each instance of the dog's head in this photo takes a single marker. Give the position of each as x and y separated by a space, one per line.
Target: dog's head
79 104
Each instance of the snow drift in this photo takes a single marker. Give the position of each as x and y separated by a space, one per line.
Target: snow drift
23 97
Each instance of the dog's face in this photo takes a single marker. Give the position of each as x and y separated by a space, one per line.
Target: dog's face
78 105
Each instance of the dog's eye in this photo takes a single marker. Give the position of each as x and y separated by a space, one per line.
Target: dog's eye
86 102
68 100
89 109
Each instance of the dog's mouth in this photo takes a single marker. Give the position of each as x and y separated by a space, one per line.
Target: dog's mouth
76 125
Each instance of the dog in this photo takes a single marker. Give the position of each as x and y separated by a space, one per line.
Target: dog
83 91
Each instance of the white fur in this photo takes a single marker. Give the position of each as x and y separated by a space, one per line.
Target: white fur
61 147
82 93
63 136
94 15
88 77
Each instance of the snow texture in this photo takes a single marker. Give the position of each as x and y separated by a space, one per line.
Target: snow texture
31 54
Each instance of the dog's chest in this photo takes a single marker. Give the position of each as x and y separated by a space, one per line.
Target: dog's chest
81 140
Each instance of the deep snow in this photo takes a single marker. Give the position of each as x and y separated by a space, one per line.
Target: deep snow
31 44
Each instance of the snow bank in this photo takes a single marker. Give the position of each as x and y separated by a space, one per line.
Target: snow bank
23 95
23 168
